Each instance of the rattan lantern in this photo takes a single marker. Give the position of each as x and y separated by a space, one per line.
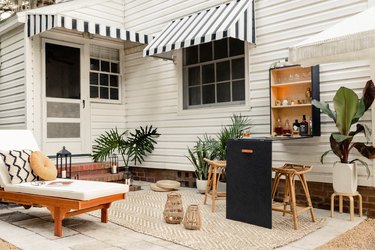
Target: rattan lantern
192 219
173 211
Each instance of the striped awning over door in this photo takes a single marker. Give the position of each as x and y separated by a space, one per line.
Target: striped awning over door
234 19
38 23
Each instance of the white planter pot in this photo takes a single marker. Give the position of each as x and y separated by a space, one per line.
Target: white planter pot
201 186
345 178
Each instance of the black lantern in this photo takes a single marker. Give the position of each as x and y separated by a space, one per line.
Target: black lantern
114 163
128 176
64 163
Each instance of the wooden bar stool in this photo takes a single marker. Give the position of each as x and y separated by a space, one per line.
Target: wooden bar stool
290 171
217 168
351 200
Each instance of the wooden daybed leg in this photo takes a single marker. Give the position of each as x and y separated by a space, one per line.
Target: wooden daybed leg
104 213
58 214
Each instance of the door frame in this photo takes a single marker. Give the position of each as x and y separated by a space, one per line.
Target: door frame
85 121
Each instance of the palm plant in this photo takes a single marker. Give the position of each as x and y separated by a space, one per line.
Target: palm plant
133 147
349 109
218 145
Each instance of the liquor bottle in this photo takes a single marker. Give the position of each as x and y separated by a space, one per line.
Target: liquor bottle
296 126
304 127
278 129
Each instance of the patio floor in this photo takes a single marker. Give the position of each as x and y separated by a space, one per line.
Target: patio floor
33 229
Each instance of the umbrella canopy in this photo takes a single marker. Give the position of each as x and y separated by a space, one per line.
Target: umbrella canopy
350 39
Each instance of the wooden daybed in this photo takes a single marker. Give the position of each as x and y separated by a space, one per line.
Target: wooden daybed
62 199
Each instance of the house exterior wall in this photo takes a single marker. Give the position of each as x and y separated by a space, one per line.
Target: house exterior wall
12 80
153 86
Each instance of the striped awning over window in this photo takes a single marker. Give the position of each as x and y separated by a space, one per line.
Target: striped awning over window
37 23
234 19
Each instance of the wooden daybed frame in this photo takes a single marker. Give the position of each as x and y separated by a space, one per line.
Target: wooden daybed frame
62 208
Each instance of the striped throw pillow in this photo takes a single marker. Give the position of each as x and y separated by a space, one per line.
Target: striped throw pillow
18 164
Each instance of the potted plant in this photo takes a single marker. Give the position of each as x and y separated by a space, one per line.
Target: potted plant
349 109
133 147
196 156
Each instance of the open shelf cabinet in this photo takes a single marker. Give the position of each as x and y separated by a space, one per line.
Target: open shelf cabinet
292 88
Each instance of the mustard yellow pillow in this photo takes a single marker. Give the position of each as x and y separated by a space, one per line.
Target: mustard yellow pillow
42 166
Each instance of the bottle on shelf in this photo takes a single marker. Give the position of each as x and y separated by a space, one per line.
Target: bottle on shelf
278 129
296 126
304 127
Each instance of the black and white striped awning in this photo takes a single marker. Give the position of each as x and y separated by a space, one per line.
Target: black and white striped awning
38 23
234 19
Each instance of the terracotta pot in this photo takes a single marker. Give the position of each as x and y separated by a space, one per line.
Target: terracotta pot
201 186
345 178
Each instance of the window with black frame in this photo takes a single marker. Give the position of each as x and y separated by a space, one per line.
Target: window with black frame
104 73
214 74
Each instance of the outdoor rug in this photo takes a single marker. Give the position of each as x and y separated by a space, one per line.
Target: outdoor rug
142 211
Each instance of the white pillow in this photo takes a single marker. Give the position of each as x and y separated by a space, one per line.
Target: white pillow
4 174
18 165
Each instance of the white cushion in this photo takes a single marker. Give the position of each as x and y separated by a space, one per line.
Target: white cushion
14 139
77 190
18 165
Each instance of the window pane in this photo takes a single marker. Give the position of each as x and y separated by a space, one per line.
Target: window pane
94 78
63 110
205 52
237 47
105 66
194 96
222 71
63 77
113 81
208 73
221 48
208 93
114 68
104 79
191 55
238 90
194 76
114 93
63 130
223 92
94 64
238 68
104 93
94 92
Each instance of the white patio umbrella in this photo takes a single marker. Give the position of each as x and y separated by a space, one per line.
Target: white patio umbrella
350 39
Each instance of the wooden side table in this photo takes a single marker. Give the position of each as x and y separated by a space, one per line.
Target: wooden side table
351 199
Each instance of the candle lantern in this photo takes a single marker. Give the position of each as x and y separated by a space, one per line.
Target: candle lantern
173 210
128 176
64 163
114 163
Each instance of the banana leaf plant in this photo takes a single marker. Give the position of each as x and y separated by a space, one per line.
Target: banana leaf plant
349 109
133 147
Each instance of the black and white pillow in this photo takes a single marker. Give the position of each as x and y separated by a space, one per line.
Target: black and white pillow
18 164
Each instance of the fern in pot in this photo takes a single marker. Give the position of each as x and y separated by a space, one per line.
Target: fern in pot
349 109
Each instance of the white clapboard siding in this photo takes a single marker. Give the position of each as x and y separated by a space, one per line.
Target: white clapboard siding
12 80
152 91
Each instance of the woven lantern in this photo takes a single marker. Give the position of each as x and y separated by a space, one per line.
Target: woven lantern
192 219
173 211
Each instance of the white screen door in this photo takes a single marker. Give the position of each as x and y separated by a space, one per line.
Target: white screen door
64 106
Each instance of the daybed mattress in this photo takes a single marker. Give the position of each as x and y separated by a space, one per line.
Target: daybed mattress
77 189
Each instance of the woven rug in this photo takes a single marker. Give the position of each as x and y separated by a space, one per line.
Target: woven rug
142 211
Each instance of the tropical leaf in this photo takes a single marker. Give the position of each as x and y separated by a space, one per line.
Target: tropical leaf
107 143
364 164
141 143
336 147
340 137
346 106
324 107
368 94
323 155
366 151
361 110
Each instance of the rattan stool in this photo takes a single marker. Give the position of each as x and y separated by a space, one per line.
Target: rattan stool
217 168
350 196
290 171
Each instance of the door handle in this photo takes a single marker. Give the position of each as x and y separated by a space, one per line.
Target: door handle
247 151
84 103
